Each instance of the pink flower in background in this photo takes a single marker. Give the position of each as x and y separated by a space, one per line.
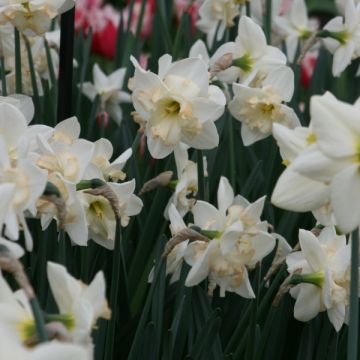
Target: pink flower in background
192 7
307 67
285 6
103 20
146 26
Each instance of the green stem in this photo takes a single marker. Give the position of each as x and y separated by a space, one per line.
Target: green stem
231 152
267 20
61 255
200 171
3 76
39 320
18 75
36 98
248 9
93 113
352 346
116 268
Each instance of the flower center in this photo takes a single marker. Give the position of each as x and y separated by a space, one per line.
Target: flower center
172 108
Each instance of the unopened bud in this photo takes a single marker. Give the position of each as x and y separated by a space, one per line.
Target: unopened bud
9 263
222 64
183 235
161 180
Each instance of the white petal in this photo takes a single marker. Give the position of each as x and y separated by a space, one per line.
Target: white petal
206 216
225 195
65 288
282 79
230 236
336 316
100 79
312 250
207 139
308 302
336 125
200 269
295 192
345 198
177 222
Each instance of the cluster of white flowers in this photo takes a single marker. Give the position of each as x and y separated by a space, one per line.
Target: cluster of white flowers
322 175
322 164
49 173
230 240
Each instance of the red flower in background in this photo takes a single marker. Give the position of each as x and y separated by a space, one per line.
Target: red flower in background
104 41
307 67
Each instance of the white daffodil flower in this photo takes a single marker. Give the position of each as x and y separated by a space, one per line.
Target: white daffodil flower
186 184
66 132
100 166
100 214
335 158
15 312
128 203
178 105
29 182
294 26
250 53
100 218
239 240
73 217
324 278
32 17
294 191
259 108
70 161
84 303
344 37
175 258
11 348
109 89
216 16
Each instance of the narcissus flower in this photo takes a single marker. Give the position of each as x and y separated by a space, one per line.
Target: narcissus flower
84 303
32 17
109 89
186 186
335 159
295 26
323 276
100 166
229 241
177 105
259 108
10 348
250 55
216 16
343 37
294 191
